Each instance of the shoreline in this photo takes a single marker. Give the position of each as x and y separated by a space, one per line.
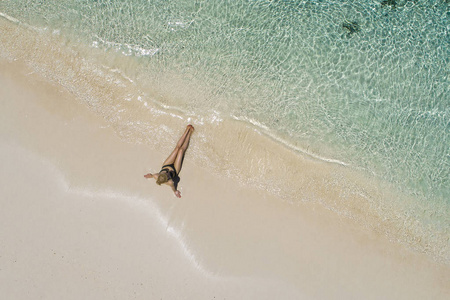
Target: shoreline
97 81
80 217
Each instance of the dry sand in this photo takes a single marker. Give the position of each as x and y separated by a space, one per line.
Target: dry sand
79 221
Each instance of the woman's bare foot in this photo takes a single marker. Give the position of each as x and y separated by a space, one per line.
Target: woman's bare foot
191 127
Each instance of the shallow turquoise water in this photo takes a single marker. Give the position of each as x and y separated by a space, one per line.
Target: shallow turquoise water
356 81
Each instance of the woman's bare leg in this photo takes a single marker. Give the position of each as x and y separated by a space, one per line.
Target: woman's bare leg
173 155
180 155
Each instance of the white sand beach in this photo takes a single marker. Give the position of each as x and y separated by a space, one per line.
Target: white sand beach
79 221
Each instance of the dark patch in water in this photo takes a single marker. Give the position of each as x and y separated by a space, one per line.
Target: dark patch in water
391 3
351 26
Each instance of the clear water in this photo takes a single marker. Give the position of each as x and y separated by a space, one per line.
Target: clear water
360 82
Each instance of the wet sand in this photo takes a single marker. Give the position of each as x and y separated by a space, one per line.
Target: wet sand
78 220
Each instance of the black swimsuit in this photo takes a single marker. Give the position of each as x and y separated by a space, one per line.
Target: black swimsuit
172 173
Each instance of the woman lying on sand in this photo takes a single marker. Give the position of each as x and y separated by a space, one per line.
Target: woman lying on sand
172 165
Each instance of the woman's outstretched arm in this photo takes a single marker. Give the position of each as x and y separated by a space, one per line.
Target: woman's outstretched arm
150 175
